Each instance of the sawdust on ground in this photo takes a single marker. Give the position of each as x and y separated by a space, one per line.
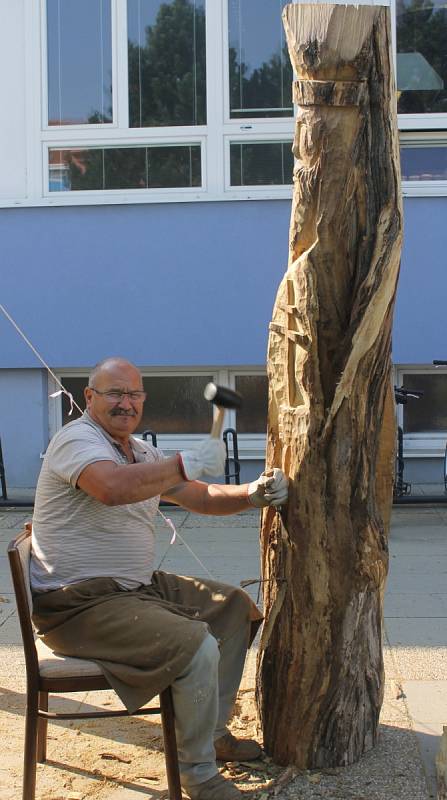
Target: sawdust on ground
122 759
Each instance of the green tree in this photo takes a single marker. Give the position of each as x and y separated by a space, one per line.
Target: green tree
167 76
268 86
134 167
167 86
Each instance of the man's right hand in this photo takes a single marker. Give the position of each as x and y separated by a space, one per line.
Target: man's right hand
206 458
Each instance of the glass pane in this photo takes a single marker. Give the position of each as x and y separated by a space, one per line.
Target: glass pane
167 62
261 164
170 167
429 413
76 169
252 416
175 404
76 386
259 65
125 168
421 56
423 163
79 43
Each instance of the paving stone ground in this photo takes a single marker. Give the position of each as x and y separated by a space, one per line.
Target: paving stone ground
123 760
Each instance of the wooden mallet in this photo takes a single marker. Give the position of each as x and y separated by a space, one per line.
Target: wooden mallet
222 398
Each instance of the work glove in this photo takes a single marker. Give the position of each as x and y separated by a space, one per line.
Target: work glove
271 489
206 458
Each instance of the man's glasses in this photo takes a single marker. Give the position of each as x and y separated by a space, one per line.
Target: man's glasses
115 396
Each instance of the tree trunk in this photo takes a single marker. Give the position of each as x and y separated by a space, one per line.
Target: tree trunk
331 426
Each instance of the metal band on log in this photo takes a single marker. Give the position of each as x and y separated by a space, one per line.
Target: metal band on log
330 424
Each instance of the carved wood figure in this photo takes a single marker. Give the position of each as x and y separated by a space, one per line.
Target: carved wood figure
331 423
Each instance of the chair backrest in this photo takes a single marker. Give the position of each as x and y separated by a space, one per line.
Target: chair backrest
19 552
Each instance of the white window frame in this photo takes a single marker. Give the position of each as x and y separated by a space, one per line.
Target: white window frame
214 137
256 138
135 141
419 445
251 446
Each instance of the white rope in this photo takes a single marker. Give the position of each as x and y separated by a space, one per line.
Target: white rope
55 378
171 525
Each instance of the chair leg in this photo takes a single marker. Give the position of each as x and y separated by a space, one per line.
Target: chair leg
170 744
42 727
30 752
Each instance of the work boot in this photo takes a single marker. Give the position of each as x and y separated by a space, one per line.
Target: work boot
216 788
228 748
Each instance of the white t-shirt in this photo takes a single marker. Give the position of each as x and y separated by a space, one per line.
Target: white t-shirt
75 537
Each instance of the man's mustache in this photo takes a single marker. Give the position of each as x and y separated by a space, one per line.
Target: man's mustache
120 412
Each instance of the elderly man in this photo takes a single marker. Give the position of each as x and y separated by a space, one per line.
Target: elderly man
96 595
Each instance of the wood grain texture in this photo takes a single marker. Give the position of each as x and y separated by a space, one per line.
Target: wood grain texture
331 420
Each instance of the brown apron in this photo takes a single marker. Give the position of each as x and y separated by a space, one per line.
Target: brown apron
143 638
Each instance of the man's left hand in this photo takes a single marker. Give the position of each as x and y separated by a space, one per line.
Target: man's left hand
271 489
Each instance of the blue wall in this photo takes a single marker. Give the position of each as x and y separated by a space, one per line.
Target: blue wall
172 284
420 319
184 284
23 424
169 285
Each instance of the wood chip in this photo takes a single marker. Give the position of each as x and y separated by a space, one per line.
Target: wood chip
255 765
114 757
288 775
152 778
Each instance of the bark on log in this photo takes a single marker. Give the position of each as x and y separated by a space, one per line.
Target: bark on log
331 427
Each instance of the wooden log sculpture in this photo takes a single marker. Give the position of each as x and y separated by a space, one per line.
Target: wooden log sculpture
331 425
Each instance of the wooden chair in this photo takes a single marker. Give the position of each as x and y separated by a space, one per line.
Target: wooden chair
48 672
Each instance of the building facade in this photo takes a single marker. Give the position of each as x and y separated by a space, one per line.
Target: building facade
145 195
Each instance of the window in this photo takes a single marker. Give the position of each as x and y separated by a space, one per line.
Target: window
252 416
260 73
166 63
153 125
79 49
423 159
424 420
175 404
175 409
424 163
174 100
421 32
93 169
261 163
134 74
428 413
76 388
